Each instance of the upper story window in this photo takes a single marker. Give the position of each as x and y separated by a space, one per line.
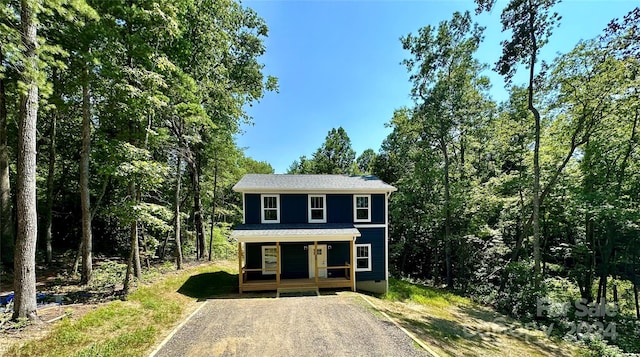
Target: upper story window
270 207
362 208
317 209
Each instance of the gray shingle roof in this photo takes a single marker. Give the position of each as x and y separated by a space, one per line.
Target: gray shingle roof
294 232
310 183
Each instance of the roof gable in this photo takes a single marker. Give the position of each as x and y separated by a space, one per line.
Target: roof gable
264 183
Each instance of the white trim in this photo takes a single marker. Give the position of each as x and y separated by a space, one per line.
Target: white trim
324 209
316 191
262 208
355 257
265 247
295 238
386 240
244 209
355 209
373 225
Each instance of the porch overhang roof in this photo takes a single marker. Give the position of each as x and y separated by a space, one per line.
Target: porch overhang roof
257 233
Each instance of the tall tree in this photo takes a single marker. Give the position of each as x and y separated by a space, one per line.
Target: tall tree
366 161
335 156
531 22
25 256
446 86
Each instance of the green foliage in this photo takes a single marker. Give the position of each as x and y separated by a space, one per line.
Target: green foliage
107 275
520 296
335 156
599 348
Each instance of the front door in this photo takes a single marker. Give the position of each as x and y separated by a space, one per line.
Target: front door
322 261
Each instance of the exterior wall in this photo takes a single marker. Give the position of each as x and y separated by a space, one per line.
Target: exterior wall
374 236
294 208
339 208
295 259
374 286
377 209
252 208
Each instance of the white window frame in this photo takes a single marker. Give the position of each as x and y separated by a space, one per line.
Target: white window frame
262 209
324 209
355 258
264 248
355 208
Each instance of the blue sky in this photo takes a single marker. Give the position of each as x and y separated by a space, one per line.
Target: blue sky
338 64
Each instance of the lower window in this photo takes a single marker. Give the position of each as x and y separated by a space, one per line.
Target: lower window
363 257
269 259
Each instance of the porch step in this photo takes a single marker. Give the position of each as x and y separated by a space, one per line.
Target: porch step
298 289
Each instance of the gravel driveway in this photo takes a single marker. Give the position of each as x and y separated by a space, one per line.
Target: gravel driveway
337 325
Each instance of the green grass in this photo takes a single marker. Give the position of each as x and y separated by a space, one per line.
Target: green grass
453 325
135 325
401 290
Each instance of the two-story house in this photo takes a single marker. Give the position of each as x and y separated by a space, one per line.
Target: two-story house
318 231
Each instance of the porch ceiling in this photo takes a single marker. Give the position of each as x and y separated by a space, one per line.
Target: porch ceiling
254 233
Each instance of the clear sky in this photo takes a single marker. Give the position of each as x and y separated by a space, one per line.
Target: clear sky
338 64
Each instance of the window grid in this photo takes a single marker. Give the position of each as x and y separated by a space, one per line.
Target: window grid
362 208
270 209
363 257
317 209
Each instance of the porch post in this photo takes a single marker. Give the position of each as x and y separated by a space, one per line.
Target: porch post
352 271
315 253
278 264
240 273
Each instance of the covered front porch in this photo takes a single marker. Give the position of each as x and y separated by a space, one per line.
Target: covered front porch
305 257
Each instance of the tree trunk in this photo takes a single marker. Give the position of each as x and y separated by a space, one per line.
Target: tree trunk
127 275
133 230
213 206
447 217
6 221
87 261
50 175
25 253
197 207
635 295
536 156
76 261
177 213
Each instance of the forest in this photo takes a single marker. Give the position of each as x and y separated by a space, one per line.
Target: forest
118 122
531 201
117 125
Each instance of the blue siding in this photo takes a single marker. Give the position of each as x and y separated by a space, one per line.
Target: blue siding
253 253
339 208
252 208
374 236
295 261
338 255
377 209
293 208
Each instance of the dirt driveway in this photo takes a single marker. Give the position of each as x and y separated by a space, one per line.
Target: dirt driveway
335 325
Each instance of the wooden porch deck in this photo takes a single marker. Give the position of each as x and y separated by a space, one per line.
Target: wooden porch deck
348 281
264 285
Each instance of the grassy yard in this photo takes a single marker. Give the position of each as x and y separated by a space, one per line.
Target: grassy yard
135 325
448 323
455 326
